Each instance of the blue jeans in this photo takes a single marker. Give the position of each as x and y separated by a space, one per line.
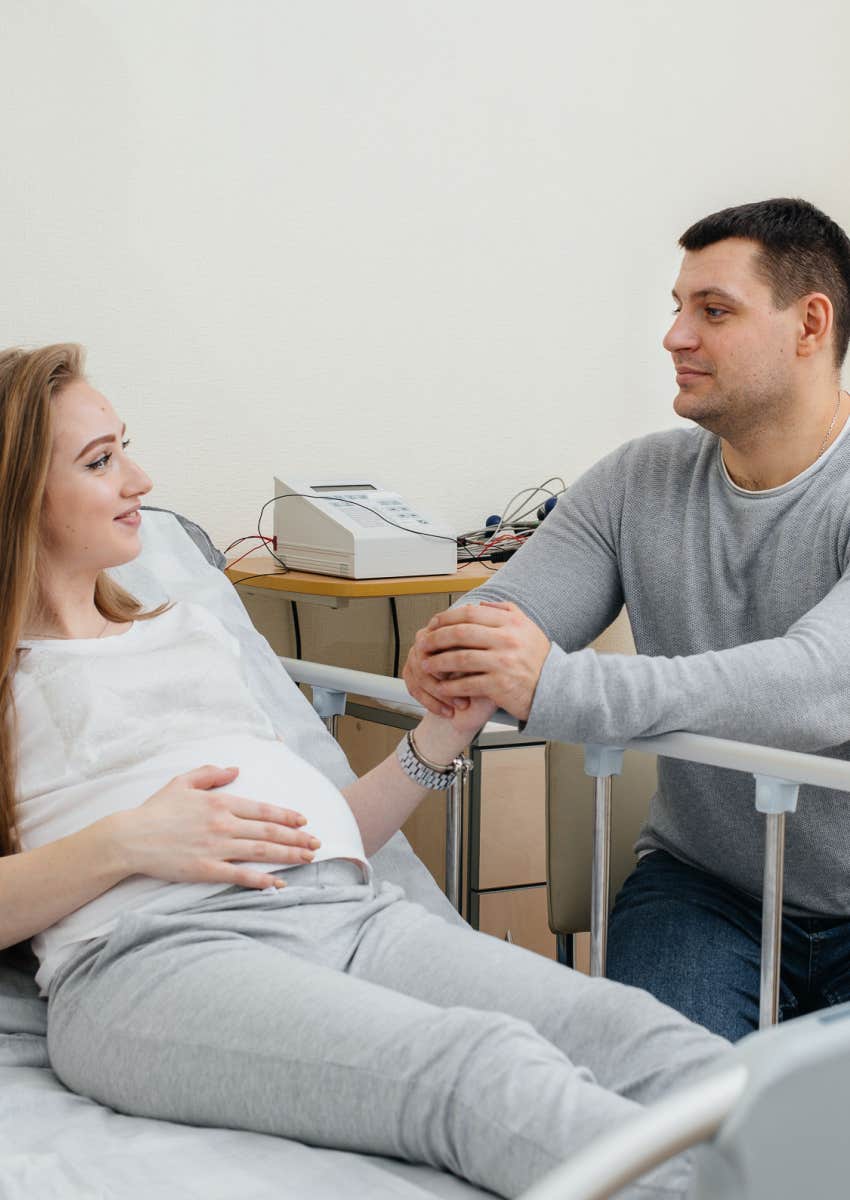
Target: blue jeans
694 942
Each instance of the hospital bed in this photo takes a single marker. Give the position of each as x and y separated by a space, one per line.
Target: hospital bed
56 1144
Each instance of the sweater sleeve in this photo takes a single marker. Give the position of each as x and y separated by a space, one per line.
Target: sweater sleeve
566 577
791 691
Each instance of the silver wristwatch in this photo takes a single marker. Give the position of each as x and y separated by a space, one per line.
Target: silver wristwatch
426 774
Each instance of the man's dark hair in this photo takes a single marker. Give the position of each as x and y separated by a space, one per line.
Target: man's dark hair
801 251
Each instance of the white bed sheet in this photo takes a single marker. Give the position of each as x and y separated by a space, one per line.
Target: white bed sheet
54 1144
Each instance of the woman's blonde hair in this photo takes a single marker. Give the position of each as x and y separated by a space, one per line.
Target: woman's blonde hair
29 381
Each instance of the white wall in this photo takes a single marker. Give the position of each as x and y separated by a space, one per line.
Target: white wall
429 241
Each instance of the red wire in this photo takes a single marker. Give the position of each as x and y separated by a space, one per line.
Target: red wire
247 552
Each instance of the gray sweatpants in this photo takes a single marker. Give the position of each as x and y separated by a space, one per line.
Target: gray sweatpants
338 1013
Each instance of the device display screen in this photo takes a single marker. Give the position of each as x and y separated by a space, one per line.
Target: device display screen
343 487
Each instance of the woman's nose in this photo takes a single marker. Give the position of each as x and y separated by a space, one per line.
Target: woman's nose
137 482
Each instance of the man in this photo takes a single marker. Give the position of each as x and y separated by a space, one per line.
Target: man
730 546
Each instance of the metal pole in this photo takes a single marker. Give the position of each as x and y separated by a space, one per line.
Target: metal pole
771 918
774 797
454 825
601 875
332 725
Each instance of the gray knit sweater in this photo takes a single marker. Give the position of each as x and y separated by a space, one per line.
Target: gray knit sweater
740 607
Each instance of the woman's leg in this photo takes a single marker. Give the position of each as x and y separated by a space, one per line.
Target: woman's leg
195 1022
633 1044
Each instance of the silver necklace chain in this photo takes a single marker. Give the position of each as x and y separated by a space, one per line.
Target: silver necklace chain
825 441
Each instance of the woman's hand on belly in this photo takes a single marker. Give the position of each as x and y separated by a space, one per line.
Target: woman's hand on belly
191 831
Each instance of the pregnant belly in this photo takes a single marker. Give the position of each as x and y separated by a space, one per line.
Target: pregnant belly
271 772
268 771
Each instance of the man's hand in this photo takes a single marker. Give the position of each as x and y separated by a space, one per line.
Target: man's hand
490 649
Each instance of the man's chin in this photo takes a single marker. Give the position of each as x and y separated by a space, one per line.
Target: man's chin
692 408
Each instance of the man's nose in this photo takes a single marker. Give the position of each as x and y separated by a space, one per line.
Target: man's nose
681 335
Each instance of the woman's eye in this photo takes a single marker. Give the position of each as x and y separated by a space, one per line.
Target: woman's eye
676 312
100 463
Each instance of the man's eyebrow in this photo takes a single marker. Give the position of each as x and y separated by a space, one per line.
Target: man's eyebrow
107 437
710 291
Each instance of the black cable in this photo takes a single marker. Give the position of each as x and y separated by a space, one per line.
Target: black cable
260 575
396 637
487 554
296 627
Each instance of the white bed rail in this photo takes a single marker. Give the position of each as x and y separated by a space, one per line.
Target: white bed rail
647 1139
777 773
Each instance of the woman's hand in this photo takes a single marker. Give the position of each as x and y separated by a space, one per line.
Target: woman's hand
192 832
469 720
440 740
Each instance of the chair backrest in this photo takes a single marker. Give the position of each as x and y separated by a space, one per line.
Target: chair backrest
569 814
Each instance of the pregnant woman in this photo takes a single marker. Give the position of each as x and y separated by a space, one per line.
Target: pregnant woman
212 941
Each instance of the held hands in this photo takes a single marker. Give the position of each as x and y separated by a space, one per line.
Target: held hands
491 650
192 832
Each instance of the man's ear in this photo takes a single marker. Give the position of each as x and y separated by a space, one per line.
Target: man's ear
816 322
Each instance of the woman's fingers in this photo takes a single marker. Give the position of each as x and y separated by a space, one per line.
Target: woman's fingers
244 850
259 810
209 776
261 832
277 835
222 872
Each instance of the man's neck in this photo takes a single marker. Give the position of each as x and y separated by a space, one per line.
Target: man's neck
772 457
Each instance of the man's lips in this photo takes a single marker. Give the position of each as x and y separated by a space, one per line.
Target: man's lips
685 372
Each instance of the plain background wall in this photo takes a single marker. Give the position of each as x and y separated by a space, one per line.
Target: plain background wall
430 242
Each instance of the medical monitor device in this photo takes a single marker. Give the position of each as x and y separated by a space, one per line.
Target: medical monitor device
358 529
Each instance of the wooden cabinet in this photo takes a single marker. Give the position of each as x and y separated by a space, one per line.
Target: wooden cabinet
506 857
516 915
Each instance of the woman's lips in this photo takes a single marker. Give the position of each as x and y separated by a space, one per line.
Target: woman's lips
133 518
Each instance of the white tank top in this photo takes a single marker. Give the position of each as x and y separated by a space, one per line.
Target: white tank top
104 723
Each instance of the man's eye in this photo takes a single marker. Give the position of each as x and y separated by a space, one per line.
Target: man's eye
714 313
676 311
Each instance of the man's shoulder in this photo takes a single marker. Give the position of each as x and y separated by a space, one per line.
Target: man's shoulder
665 444
667 454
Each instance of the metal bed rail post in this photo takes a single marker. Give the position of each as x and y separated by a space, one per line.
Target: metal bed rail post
602 763
454 825
774 798
330 705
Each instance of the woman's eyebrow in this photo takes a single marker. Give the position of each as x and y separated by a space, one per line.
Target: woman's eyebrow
107 437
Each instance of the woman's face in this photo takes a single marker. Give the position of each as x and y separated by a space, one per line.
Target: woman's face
90 518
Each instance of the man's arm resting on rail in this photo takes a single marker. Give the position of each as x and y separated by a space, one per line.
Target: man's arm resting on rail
790 691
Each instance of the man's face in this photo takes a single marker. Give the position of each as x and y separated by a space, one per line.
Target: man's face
733 351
